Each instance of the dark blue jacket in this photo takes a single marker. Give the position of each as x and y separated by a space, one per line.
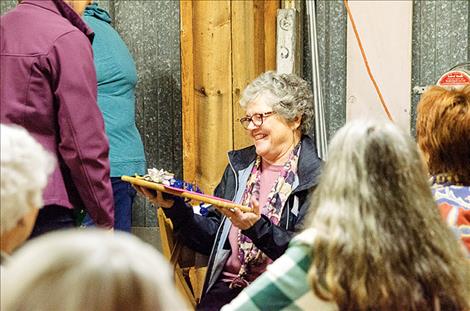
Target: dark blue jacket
209 235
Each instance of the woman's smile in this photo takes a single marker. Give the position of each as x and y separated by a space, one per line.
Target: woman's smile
259 136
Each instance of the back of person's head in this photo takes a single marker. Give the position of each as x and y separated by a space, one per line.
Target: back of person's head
443 131
380 243
88 270
25 166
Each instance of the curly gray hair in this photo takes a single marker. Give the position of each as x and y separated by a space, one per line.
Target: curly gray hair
25 167
292 96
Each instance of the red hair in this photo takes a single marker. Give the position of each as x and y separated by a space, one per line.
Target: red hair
443 130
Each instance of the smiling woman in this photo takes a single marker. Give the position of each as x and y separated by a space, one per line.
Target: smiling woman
290 98
266 177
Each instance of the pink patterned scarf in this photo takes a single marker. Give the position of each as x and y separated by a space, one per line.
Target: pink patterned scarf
248 254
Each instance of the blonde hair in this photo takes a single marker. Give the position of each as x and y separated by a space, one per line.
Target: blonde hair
25 166
89 269
443 130
381 244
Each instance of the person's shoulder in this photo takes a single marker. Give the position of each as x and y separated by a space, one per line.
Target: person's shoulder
454 195
245 150
45 21
242 158
305 238
97 24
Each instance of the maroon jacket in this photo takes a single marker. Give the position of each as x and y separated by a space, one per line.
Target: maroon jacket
48 86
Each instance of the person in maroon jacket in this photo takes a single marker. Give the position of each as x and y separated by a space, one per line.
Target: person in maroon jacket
48 86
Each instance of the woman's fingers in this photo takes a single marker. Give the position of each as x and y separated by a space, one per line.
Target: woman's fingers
162 202
151 196
225 211
237 213
155 197
240 219
255 206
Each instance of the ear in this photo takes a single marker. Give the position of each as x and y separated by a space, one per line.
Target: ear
295 123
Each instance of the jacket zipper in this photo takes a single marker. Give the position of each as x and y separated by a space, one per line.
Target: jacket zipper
216 243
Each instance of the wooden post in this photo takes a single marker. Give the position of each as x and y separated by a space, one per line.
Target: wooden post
243 62
253 52
270 13
189 123
213 89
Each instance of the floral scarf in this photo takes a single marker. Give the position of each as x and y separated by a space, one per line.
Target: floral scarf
248 253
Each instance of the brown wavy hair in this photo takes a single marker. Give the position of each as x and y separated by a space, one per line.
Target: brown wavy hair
443 130
380 243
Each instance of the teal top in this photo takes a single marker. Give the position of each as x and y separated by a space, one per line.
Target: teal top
117 78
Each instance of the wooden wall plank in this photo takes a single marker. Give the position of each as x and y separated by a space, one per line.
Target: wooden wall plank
253 52
270 12
213 89
244 61
187 91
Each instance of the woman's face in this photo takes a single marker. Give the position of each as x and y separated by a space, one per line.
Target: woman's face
276 137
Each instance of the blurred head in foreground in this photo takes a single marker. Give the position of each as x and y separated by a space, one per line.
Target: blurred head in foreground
25 167
380 243
88 270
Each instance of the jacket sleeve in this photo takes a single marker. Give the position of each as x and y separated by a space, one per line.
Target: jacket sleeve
196 231
273 240
83 144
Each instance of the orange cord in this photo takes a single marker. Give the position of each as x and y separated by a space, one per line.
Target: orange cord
384 105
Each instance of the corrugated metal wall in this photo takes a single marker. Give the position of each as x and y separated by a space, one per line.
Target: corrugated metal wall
441 40
331 20
151 30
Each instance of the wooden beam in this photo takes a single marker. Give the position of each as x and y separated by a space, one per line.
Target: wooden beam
189 120
270 13
253 52
243 62
213 89
291 4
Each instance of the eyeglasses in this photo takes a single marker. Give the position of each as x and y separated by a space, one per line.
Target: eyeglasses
257 119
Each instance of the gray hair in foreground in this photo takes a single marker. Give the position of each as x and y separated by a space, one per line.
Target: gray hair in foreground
380 241
291 96
91 270
25 167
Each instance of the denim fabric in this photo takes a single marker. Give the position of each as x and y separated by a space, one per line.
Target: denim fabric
53 217
124 195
